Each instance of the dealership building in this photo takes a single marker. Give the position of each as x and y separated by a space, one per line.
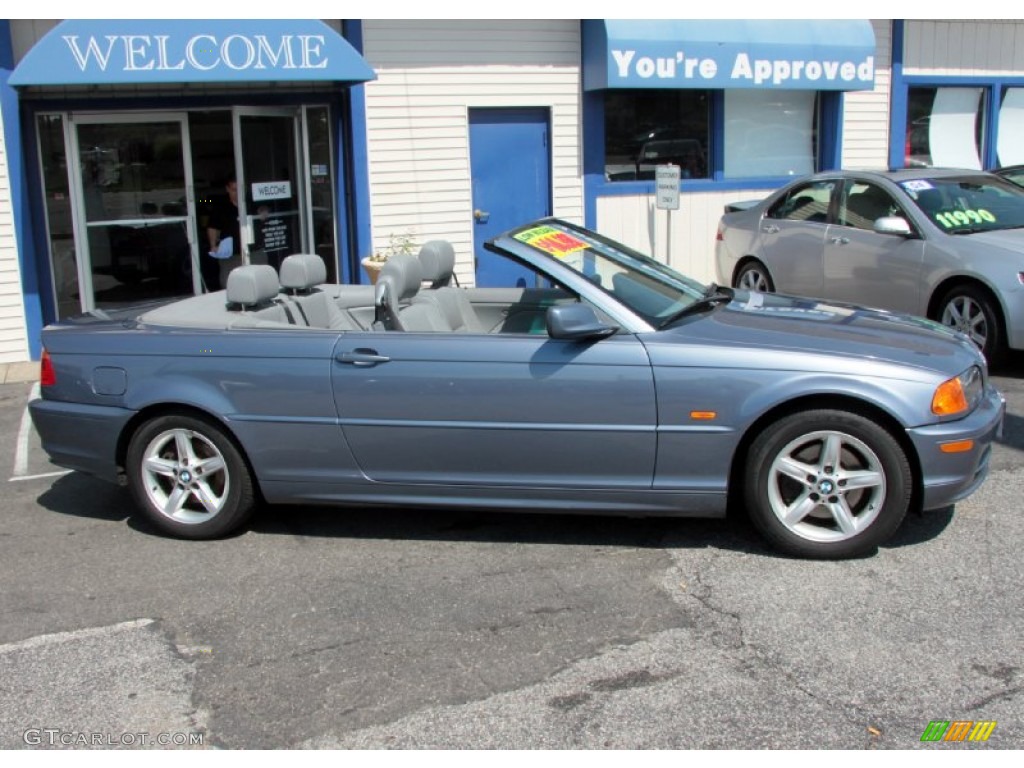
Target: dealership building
349 137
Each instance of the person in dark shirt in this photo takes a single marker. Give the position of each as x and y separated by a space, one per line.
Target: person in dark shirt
224 223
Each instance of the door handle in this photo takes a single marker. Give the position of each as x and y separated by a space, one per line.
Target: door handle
771 229
362 358
481 216
839 240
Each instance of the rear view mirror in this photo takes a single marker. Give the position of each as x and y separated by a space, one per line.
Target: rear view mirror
576 322
893 225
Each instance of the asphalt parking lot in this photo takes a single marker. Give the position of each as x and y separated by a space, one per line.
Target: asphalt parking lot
370 629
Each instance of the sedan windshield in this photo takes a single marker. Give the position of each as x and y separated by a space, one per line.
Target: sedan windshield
966 204
651 289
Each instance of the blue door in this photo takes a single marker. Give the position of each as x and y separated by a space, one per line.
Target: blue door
511 167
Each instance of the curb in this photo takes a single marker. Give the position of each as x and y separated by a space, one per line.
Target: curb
15 373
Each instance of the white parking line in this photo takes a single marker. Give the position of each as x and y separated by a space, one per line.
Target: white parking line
21 447
59 473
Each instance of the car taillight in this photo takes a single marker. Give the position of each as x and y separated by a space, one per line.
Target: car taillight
721 233
47 376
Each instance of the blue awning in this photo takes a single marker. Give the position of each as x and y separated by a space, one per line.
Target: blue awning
729 53
119 51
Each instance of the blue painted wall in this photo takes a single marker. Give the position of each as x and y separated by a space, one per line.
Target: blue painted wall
12 126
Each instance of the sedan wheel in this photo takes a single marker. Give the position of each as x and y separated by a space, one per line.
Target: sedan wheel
189 478
827 484
970 311
754 277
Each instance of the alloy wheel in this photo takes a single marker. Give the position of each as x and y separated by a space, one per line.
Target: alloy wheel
826 486
185 476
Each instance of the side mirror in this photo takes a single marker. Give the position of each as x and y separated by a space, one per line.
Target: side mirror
892 225
576 322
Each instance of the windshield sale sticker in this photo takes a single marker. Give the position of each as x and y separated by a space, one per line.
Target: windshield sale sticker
550 240
951 219
917 185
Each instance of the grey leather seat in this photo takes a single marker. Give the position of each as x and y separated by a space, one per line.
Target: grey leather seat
437 259
254 288
301 273
397 285
862 210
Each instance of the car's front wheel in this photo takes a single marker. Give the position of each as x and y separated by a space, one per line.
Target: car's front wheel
189 478
827 484
971 310
753 276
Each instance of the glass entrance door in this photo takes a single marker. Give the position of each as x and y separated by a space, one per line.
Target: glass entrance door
271 184
320 161
135 224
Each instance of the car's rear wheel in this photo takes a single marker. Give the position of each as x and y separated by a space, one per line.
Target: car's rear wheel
971 310
753 276
189 478
827 484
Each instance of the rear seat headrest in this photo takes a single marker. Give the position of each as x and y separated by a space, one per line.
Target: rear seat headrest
438 261
252 284
302 271
404 274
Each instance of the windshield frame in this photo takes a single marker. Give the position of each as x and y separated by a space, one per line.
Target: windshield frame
584 253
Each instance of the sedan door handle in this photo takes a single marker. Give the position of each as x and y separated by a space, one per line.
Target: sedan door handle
771 229
362 357
839 240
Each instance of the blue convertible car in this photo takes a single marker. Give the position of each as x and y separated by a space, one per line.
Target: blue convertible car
604 383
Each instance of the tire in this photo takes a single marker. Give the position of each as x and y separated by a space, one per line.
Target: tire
189 478
753 276
800 496
972 310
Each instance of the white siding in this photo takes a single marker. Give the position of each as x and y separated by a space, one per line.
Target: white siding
964 47
429 73
13 333
27 32
634 220
866 113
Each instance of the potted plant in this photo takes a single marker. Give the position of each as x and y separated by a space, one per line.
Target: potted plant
397 243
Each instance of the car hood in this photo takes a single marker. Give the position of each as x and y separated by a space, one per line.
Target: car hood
811 330
1007 239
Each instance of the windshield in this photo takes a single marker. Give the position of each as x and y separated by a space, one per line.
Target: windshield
649 288
964 204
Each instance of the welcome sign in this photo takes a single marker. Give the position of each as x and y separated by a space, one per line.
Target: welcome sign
189 50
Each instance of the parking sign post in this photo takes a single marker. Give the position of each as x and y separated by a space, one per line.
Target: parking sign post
666 189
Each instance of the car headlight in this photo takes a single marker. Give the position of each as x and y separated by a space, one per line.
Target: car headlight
959 394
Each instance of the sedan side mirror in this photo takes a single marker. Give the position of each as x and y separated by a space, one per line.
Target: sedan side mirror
576 322
893 225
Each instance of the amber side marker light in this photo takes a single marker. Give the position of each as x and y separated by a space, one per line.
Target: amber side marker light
703 415
960 446
949 398
47 376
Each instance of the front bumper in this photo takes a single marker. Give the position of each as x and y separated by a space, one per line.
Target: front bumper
950 477
81 437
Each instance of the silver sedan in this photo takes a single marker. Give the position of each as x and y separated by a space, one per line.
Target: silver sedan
943 244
